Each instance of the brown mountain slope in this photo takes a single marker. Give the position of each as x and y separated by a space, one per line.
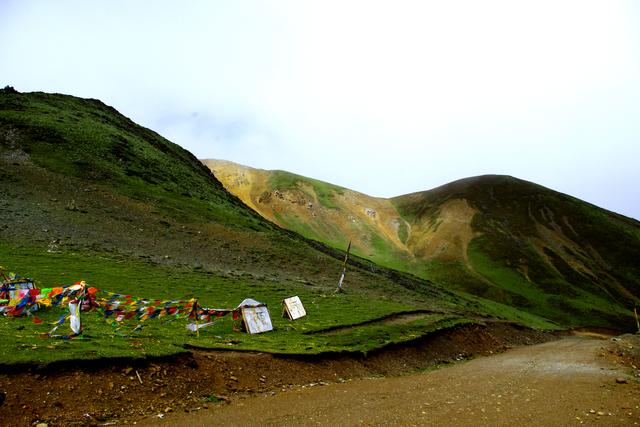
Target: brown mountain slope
337 215
494 236
318 210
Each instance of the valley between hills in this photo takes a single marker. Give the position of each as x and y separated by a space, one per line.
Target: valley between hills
467 269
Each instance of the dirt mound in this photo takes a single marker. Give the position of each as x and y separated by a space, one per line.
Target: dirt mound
627 351
103 393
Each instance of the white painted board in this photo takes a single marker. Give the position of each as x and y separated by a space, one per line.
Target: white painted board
257 319
294 307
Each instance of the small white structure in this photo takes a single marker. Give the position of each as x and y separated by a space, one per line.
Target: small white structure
255 316
293 308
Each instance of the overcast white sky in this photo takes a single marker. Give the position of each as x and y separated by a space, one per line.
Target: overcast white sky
386 98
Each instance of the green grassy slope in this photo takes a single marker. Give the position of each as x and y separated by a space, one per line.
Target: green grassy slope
321 211
326 202
544 251
85 194
90 140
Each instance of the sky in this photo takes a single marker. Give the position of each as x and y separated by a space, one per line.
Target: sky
383 97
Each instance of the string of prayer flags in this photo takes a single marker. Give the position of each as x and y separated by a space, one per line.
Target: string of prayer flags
20 297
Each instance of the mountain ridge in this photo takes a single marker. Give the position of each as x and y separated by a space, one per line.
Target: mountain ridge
494 236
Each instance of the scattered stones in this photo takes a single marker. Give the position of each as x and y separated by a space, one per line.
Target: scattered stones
71 206
224 399
370 212
622 380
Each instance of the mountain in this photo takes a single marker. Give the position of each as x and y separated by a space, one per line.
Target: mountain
77 177
319 210
86 191
493 236
87 194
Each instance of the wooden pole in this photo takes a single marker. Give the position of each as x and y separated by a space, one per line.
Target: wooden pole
344 268
635 312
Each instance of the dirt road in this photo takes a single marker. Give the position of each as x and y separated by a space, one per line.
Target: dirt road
571 381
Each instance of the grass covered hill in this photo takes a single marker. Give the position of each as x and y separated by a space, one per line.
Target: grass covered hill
321 211
497 237
536 248
86 194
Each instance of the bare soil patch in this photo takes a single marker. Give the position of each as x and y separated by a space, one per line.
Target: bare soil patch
392 319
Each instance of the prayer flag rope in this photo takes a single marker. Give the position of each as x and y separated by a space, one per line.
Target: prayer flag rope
115 307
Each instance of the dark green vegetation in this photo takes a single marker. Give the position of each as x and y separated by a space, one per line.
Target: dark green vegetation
540 250
89 140
85 194
321 190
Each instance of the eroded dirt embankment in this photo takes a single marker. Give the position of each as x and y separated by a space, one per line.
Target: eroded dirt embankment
103 393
